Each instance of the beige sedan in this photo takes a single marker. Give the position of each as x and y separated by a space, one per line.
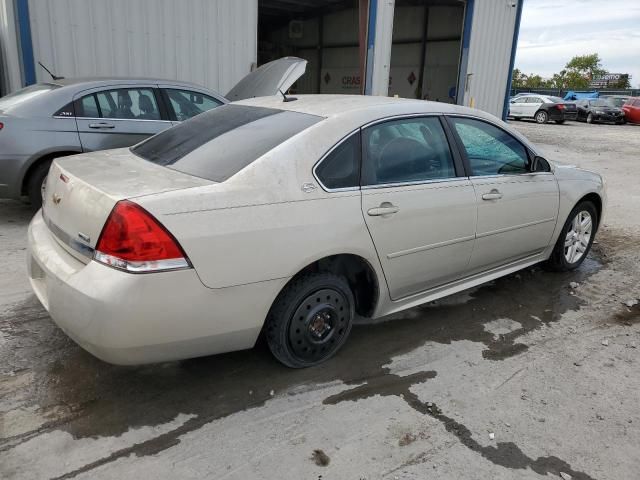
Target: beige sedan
292 218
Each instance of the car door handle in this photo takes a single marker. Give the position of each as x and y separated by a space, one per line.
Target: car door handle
492 195
101 125
385 208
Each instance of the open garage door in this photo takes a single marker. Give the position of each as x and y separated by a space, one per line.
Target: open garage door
425 52
329 34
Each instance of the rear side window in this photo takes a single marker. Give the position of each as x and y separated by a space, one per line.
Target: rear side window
404 151
341 168
219 143
187 104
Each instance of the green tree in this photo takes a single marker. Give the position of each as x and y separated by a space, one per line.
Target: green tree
581 69
518 79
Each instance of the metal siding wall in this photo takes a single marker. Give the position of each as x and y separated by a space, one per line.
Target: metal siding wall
490 54
209 42
10 73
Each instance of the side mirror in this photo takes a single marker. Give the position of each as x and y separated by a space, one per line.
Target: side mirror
540 164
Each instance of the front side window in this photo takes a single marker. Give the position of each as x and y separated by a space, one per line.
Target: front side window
406 150
341 168
187 104
490 150
219 143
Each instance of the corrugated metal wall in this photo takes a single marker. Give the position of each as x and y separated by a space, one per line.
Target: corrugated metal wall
490 54
209 42
10 77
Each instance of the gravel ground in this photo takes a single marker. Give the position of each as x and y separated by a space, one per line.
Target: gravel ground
528 377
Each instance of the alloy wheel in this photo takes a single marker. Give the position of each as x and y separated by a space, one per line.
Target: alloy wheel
577 240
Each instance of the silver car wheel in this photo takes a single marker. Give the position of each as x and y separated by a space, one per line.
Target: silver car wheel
578 237
541 117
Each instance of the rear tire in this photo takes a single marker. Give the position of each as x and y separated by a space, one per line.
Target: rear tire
590 118
35 183
576 238
559 122
310 320
541 117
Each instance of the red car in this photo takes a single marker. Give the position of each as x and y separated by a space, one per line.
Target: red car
632 110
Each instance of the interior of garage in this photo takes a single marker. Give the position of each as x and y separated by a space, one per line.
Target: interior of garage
332 36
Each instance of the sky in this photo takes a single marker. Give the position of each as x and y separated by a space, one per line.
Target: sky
553 31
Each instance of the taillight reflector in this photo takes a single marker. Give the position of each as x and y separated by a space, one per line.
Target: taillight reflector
133 240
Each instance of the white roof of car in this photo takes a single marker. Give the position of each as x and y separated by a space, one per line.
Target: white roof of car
336 105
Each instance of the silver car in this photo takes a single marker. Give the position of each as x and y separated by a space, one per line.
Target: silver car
70 116
292 217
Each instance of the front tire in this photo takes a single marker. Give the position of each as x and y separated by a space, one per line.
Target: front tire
35 184
541 117
310 320
576 238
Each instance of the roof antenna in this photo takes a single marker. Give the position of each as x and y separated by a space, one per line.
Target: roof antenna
287 99
53 76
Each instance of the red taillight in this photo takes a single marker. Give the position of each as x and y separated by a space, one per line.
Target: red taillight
561 106
1 125
133 240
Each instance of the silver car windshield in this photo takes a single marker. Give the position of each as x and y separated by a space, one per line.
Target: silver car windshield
219 143
9 101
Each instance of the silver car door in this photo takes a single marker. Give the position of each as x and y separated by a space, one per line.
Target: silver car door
517 208
532 106
420 214
115 117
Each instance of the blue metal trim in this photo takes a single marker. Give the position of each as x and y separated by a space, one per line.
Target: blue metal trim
371 40
514 45
464 56
26 45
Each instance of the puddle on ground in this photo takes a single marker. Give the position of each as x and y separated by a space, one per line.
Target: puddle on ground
107 400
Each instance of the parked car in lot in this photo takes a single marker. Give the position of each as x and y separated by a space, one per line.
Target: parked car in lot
617 100
292 218
599 110
631 110
542 108
70 116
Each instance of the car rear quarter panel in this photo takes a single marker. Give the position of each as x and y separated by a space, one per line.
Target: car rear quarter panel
260 225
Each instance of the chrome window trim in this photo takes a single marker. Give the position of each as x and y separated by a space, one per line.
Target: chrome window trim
515 175
417 182
107 119
327 153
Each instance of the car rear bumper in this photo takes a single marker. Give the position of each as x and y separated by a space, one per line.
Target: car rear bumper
128 319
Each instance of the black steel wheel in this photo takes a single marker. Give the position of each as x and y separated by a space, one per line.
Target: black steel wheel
310 320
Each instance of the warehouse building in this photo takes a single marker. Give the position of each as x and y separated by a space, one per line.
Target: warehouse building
458 51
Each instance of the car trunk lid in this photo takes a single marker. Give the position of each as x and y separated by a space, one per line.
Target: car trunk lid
81 191
269 79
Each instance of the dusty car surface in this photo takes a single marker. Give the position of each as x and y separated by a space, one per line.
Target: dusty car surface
292 218
69 116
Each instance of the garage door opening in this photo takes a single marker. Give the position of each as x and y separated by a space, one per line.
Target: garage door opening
426 48
329 34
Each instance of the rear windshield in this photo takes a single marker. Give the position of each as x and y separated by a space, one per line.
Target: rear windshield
219 143
16 98
556 99
603 102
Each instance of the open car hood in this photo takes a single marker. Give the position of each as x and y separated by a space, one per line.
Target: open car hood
270 78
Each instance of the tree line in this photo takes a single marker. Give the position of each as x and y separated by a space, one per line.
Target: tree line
576 75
